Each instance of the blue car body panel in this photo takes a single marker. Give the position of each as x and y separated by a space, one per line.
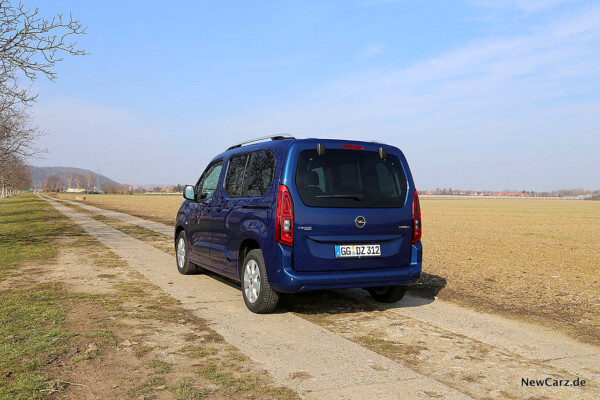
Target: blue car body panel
218 228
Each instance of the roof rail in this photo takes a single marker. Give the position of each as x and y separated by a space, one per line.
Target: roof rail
281 136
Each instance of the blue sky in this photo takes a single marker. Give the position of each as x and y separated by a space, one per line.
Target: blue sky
478 94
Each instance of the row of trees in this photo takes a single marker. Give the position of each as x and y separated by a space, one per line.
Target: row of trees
112 188
14 177
87 182
55 184
30 46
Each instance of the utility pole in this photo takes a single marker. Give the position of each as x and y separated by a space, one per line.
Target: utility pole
98 179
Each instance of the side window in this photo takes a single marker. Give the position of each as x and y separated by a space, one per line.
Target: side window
210 179
260 175
234 181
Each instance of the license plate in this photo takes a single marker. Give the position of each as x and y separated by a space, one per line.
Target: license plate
357 250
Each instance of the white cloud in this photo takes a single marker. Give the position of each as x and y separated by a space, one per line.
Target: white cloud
533 91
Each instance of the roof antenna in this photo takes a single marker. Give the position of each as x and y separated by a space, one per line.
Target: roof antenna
320 149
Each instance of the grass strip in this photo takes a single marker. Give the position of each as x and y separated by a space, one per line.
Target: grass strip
28 227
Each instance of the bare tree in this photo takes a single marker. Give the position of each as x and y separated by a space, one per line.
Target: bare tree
14 177
52 183
17 136
89 182
68 181
79 180
30 46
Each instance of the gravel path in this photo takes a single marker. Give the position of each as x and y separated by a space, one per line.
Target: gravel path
151 225
315 362
321 364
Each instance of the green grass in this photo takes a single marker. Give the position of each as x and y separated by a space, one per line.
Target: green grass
27 225
32 336
104 336
185 390
147 387
81 357
199 351
141 350
231 384
32 320
160 366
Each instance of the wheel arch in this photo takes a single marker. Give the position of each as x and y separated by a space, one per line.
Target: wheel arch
178 230
246 246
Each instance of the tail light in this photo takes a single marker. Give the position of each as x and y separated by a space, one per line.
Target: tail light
284 223
416 215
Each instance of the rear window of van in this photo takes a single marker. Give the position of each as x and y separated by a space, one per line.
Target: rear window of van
350 178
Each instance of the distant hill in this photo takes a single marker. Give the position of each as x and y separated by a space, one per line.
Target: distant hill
40 174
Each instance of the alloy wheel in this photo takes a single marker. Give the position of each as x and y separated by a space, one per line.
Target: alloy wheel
181 253
252 281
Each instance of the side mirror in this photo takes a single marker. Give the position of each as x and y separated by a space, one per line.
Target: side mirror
188 193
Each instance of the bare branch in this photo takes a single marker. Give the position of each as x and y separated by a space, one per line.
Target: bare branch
17 135
31 45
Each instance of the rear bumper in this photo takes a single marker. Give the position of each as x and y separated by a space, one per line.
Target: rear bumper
284 279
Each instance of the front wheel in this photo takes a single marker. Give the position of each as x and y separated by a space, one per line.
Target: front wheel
257 293
387 294
184 265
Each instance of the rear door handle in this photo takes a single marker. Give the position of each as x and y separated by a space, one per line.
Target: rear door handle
218 209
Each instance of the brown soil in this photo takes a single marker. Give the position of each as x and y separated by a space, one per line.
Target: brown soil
133 341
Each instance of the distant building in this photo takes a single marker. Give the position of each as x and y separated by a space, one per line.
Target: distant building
75 190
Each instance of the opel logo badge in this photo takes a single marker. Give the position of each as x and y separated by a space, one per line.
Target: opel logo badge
360 221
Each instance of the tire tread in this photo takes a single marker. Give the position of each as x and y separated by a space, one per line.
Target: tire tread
268 298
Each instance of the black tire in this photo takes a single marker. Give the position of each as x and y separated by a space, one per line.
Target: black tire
257 293
387 294
184 265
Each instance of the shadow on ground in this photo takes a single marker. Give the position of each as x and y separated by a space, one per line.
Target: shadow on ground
348 300
428 287
357 300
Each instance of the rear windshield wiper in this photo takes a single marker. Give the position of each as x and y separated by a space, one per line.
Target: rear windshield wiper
357 197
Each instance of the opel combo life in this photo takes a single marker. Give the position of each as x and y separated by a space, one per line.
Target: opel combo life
285 215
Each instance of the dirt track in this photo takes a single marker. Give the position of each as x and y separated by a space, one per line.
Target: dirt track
440 350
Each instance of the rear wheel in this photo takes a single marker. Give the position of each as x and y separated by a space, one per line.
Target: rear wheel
387 294
184 265
257 293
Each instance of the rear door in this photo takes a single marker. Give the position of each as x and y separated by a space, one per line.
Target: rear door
353 212
242 206
225 221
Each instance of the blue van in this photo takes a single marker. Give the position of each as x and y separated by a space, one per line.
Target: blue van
285 215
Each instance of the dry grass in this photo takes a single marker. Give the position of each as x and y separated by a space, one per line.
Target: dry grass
538 260
159 208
